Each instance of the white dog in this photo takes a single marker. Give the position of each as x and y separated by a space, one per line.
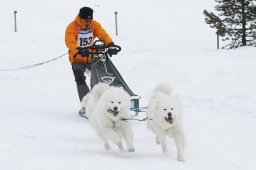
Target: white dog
164 119
107 107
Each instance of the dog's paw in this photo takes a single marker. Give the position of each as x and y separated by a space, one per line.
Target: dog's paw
120 146
181 158
157 140
106 146
131 149
166 153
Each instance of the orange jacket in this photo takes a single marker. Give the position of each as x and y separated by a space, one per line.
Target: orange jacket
71 36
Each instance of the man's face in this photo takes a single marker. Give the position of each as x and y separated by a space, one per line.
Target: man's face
86 22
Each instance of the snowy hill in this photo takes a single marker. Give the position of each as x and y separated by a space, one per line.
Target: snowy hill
39 124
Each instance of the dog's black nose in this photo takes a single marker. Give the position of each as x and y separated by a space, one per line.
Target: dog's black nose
169 114
115 108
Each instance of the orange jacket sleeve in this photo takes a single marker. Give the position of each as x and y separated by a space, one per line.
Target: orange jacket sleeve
71 36
100 33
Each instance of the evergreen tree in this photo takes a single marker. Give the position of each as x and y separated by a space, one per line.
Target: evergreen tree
235 22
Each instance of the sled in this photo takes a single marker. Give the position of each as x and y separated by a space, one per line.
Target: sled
104 71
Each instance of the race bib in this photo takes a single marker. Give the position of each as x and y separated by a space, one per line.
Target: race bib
85 38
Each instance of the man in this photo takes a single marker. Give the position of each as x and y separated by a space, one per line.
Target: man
81 33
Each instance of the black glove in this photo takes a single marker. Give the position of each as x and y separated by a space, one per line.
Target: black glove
84 53
112 51
111 44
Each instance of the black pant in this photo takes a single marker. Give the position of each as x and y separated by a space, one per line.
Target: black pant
78 70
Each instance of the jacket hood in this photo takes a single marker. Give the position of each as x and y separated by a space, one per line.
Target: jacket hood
79 22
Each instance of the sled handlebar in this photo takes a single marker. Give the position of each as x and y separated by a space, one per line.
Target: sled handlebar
97 49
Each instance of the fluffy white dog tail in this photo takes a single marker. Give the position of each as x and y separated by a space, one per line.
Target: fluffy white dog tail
163 88
96 92
99 89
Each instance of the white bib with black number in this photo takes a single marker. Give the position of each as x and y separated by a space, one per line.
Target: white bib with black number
85 38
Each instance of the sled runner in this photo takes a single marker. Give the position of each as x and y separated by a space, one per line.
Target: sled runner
103 70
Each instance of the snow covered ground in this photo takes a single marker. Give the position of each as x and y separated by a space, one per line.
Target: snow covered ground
161 41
